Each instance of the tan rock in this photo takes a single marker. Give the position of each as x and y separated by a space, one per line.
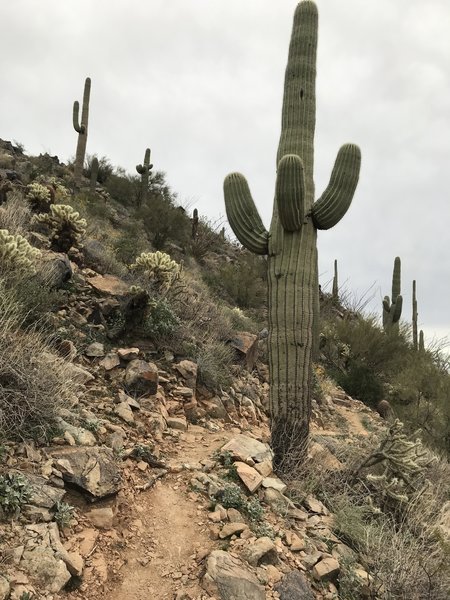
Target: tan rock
102 518
86 539
109 284
128 354
124 411
111 361
297 544
232 529
274 483
249 476
263 550
141 377
234 516
326 569
179 423
265 468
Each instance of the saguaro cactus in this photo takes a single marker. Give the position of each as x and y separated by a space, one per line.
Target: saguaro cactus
421 342
82 129
94 175
195 224
414 317
144 172
290 244
392 307
335 292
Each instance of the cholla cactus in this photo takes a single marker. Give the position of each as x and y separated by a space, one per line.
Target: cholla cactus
404 459
65 225
16 254
158 267
40 196
61 192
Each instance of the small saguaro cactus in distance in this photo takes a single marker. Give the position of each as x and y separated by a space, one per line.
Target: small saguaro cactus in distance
82 129
414 317
195 224
290 244
335 292
421 342
392 307
94 175
144 172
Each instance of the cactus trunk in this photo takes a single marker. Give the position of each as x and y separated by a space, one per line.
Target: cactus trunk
291 243
82 129
144 172
94 175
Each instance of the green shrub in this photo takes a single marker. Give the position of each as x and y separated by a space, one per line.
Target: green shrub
63 514
160 321
14 493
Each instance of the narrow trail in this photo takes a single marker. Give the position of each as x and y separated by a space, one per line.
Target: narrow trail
169 530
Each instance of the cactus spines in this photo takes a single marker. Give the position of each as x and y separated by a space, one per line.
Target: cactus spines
421 342
392 307
94 175
291 242
82 129
335 292
16 254
158 267
65 226
144 172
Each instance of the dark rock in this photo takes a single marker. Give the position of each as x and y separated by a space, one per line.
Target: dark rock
246 345
141 377
294 586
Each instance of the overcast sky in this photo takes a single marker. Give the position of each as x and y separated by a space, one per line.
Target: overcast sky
200 83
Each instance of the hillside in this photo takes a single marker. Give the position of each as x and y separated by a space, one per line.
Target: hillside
133 414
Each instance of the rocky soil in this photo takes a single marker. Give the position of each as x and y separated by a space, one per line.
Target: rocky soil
171 486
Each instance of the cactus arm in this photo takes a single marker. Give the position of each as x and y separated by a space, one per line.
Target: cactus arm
75 116
290 192
336 199
243 215
140 169
397 309
396 279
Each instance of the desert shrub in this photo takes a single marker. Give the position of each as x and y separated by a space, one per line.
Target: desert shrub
102 258
207 238
214 360
242 282
131 242
123 187
63 514
34 383
15 491
17 255
159 321
39 197
65 226
158 268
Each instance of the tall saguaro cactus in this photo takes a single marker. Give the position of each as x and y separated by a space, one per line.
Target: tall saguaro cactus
392 307
290 244
82 129
414 317
144 172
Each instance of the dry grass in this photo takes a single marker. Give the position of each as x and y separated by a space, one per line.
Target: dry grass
34 383
15 215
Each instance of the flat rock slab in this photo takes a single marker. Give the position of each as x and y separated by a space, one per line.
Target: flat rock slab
49 571
246 345
249 476
274 483
232 529
262 551
227 578
326 570
294 586
243 447
109 284
43 494
94 470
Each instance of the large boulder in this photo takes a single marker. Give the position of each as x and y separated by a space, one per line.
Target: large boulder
93 470
228 578
294 586
246 346
141 377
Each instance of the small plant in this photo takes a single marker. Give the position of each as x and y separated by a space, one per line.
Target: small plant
40 197
65 225
225 458
64 514
15 491
262 530
160 320
254 510
92 425
159 268
214 360
232 497
16 254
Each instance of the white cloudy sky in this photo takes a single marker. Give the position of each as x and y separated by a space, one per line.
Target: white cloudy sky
200 82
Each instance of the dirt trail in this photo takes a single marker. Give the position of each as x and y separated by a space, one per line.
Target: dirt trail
169 529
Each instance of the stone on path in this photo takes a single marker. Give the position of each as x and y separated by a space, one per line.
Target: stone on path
249 476
227 578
